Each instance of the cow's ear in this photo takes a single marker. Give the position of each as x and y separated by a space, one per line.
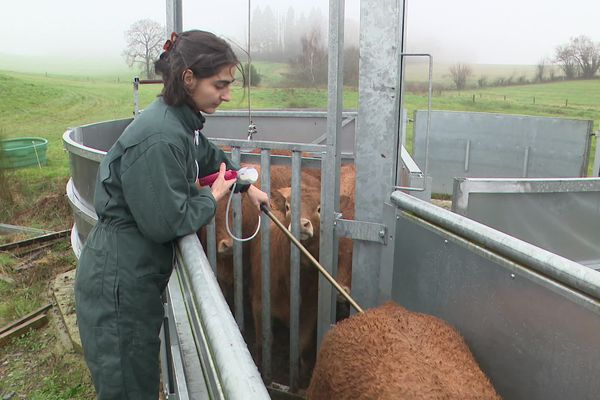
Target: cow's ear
278 200
286 192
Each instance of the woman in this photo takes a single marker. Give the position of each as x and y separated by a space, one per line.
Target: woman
147 197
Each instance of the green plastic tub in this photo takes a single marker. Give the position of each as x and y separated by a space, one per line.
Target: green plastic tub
23 152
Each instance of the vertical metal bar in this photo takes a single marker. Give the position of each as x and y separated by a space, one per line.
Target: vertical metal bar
386 277
136 96
265 246
295 274
211 244
402 132
588 149
596 171
526 162
404 125
330 168
430 95
174 17
238 267
467 155
166 363
377 130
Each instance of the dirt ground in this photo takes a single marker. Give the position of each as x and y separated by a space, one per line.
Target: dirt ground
43 363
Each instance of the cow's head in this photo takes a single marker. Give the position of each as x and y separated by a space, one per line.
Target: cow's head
310 210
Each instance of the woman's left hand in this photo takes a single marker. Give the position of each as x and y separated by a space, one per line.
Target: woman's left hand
257 196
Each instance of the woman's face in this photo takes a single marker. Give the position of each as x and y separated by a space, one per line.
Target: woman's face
208 93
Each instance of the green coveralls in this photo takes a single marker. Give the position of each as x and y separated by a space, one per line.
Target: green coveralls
145 198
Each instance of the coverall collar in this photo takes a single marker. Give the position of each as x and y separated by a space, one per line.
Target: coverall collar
194 120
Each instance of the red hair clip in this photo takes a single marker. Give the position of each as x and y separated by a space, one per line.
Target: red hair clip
170 42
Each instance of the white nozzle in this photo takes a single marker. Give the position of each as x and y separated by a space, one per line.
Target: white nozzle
247 175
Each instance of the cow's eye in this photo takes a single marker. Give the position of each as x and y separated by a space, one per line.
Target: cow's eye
287 207
319 209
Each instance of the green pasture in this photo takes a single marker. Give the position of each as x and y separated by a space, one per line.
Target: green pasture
45 100
417 70
40 104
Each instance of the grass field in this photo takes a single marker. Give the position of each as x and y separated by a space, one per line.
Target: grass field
46 105
46 102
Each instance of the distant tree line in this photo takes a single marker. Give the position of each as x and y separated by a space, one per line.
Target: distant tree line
299 41
279 37
577 59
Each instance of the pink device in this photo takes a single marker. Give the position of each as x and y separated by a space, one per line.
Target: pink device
209 179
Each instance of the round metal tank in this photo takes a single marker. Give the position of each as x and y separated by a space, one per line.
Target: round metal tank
87 145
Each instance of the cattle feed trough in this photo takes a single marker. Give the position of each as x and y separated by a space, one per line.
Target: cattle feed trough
529 316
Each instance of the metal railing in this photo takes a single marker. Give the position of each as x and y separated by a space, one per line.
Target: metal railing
207 355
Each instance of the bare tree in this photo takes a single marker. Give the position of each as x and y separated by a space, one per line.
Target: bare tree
580 57
144 44
540 70
566 60
482 81
351 59
587 56
459 74
311 65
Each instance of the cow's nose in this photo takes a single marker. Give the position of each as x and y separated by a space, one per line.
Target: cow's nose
306 229
225 246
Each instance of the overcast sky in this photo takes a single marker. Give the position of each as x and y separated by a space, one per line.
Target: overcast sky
474 31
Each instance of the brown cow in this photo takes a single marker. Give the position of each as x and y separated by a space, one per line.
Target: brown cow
392 353
224 242
280 273
280 177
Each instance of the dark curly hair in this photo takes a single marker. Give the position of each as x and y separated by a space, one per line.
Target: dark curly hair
202 52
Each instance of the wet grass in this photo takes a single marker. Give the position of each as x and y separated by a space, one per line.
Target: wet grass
33 367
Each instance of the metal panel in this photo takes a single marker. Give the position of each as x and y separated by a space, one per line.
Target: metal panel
101 135
377 132
85 217
568 272
468 144
289 126
559 215
535 336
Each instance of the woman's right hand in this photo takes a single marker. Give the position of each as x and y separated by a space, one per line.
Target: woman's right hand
220 186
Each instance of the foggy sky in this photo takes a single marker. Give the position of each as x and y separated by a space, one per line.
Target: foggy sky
474 31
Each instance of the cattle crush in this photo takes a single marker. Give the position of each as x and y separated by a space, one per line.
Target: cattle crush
529 316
